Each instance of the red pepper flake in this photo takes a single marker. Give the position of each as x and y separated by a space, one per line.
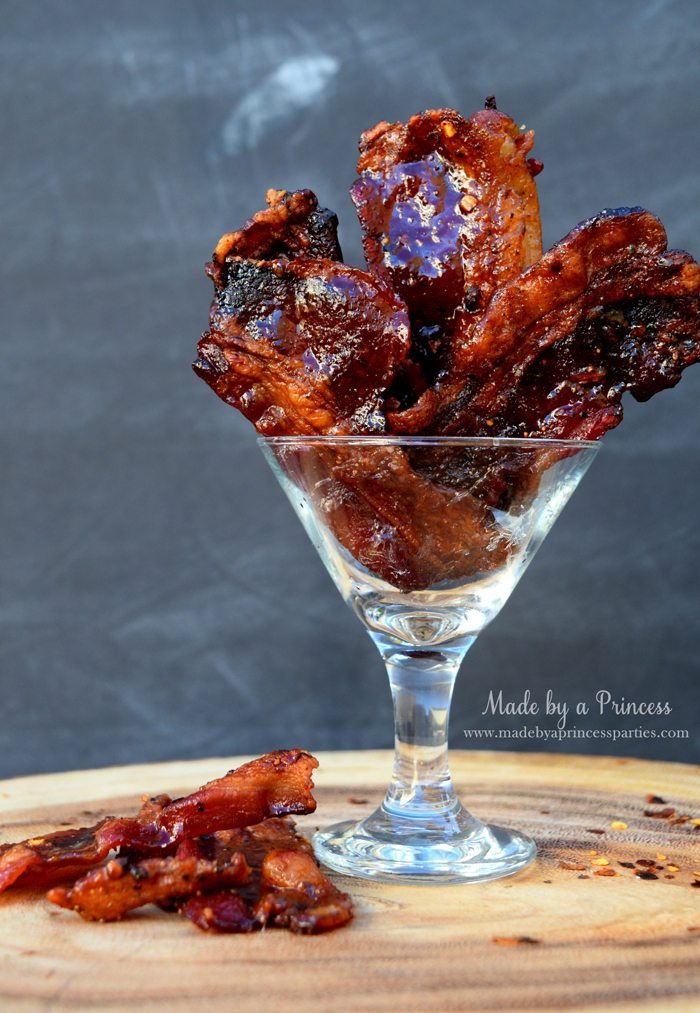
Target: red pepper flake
680 819
669 876
572 866
655 800
641 874
515 941
583 877
357 801
694 928
696 883
646 862
660 814
595 831
605 872
627 865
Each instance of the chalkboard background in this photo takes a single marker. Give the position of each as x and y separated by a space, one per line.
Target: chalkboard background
159 599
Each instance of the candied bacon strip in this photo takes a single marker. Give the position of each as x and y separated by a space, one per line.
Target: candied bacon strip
68 853
298 896
227 911
606 244
608 309
230 881
447 205
449 211
108 893
276 784
306 346
273 785
398 524
291 225
285 887
640 345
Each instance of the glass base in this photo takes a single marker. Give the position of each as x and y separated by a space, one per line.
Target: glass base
360 849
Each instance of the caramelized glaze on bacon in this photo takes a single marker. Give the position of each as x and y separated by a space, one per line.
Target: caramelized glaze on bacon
460 327
399 524
447 206
449 211
291 225
274 785
285 888
230 881
306 346
297 895
606 310
108 893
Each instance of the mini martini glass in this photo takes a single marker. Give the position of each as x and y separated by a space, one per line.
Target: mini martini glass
425 538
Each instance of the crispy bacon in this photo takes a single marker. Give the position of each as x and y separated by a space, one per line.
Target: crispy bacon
285 888
297 895
291 225
460 328
606 310
306 346
108 893
277 784
274 785
65 854
299 342
230 881
447 205
449 211
403 527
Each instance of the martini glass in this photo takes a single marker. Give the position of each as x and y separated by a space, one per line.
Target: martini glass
425 538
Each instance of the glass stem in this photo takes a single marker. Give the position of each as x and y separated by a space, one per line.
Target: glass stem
421 683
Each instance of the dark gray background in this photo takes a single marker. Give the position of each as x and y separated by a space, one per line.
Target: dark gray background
159 599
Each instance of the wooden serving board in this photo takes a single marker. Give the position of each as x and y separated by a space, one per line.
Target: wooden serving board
597 942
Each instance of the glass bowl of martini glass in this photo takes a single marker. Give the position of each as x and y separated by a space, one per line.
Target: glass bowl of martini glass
425 539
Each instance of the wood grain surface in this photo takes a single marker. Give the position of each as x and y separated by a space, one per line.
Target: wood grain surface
596 941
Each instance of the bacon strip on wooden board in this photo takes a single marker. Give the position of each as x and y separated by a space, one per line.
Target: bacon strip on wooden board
276 784
285 889
230 881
